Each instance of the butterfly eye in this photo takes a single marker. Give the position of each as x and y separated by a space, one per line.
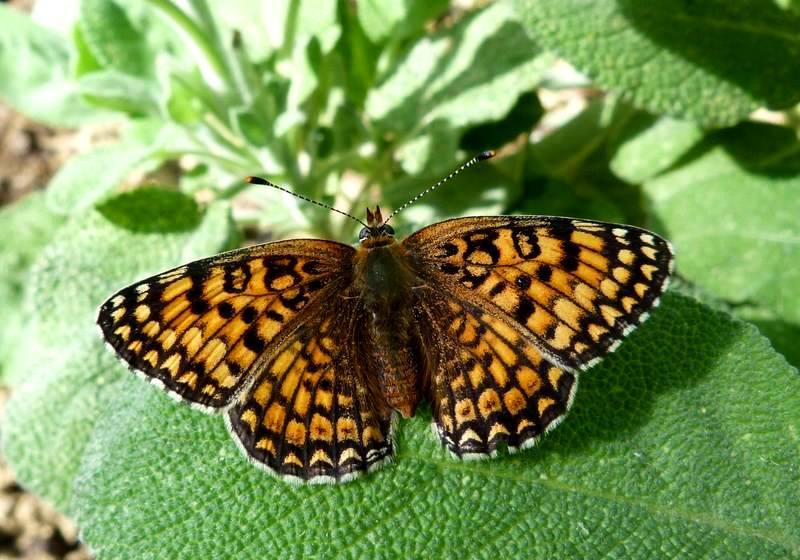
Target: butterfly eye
363 234
388 230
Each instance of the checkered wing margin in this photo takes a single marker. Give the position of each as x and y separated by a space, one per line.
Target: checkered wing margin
315 414
204 330
489 384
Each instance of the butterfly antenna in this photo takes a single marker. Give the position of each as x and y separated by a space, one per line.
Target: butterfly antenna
480 157
259 181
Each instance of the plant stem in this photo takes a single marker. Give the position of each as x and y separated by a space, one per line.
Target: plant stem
195 33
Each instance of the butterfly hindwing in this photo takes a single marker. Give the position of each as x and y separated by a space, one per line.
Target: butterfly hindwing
202 329
489 384
314 414
577 287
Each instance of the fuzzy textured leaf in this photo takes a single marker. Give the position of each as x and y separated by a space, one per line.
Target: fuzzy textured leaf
637 467
732 210
649 145
88 177
25 228
712 62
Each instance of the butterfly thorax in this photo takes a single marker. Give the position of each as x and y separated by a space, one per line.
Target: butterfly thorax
385 281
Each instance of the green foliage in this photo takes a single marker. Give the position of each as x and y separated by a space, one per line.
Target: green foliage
732 209
34 72
31 226
712 62
683 443
656 454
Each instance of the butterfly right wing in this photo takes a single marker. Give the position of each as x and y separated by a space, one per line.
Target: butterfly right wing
315 414
489 384
517 306
200 330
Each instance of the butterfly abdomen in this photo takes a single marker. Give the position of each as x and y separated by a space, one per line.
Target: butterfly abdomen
386 283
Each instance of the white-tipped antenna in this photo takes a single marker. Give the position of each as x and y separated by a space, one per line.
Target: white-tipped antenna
259 181
480 157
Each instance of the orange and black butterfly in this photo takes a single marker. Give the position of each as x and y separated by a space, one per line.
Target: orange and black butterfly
309 347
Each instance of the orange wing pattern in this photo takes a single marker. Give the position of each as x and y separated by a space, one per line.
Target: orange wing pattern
576 287
314 415
201 330
489 383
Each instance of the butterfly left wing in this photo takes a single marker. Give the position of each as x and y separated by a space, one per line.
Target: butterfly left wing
576 287
315 413
201 330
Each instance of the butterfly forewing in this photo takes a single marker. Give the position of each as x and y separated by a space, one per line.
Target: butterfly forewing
313 414
576 287
203 329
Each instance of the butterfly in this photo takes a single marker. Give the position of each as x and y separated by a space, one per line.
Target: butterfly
310 347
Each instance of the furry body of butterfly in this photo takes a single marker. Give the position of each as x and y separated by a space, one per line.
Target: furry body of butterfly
387 285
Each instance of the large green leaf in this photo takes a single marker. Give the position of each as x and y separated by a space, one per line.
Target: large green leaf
70 278
731 209
712 62
683 442
649 145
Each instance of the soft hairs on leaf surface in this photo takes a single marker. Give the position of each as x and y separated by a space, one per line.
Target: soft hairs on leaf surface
31 226
681 443
89 257
712 61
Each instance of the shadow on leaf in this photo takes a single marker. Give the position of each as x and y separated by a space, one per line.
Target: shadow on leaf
721 38
615 399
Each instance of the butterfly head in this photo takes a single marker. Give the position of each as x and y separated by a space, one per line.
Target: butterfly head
377 231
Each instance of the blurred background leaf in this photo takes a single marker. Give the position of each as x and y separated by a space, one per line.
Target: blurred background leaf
34 73
731 209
